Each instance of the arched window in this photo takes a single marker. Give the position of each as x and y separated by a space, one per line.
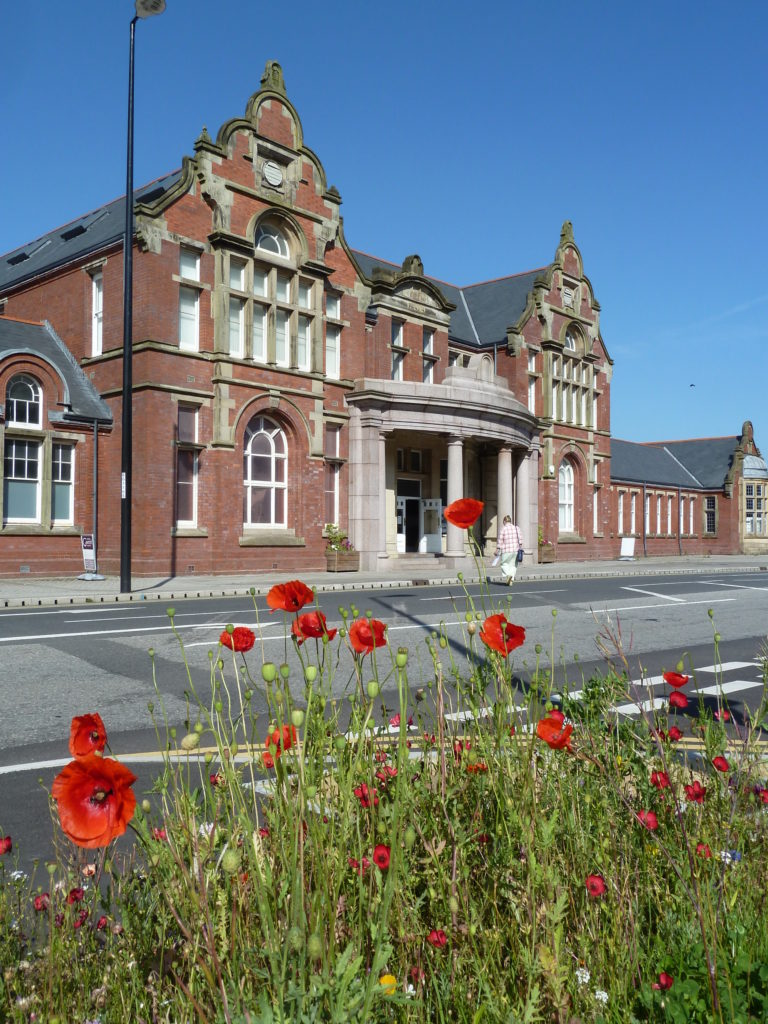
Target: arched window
270 239
571 339
23 404
565 497
265 474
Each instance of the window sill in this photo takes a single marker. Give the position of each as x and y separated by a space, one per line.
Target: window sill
36 530
188 531
270 538
571 538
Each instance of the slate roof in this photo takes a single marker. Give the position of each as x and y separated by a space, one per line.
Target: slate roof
483 311
701 464
41 340
80 237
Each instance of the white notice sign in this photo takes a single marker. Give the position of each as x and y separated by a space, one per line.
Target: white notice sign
627 547
89 552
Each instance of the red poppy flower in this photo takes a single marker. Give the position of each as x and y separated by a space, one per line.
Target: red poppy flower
660 780
289 597
695 793
721 763
365 634
160 835
95 800
437 937
665 981
6 845
477 767
674 734
87 735
267 760
366 796
311 626
552 731
280 740
648 819
81 918
357 866
678 699
556 715
703 850
42 901
723 716
101 924
75 895
381 856
595 885
675 679
500 635
763 794
386 773
463 513
241 639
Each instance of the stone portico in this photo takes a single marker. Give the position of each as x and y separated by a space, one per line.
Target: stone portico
416 447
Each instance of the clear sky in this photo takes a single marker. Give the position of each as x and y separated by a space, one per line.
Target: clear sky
466 133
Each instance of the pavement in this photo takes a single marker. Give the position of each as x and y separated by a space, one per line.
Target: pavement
38 592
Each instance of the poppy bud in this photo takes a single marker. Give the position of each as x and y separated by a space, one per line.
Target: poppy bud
373 689
268 672
310 673
285 670
297 717
471 628
453 904
190 741
401 658
198 727
230 861
146 806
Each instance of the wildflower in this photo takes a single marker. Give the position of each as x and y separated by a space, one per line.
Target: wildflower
366 796
95 800
395 721
730 856
280 740
660 780
82 917
437 938
264 832
678 699
160 834
366 634
101 924
723 715
267 760
721 763
501 635
42 901
75 895
216 779
703 850
695 792
417 975
478 766
311 626
240 640
289 597
595 885
58 920
582 975
357 866
648 819
674 734
386 773
601 996
87 735
554 733
6 845
381 856
675 679
389 983
665 981
464 512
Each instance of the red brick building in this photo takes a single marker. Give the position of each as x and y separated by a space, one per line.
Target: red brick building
283 380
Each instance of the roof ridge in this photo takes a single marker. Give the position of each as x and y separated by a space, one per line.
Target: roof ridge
507 277
22 320
688 440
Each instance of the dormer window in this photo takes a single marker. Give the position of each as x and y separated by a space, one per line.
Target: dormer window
23 402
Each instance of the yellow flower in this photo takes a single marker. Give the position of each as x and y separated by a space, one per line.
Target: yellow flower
389 983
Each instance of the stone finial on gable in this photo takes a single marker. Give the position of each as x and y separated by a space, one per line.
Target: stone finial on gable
413 265
272 79
566 232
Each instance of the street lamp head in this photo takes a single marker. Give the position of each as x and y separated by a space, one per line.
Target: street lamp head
146 8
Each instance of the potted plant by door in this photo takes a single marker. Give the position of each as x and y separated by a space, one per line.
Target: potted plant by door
340 554
546 548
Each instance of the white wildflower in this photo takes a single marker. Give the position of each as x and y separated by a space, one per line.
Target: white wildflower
582 975
601 996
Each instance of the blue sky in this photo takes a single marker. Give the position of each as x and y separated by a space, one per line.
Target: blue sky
466 133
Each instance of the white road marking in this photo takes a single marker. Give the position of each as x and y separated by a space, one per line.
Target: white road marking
642 607
647 705
733 586
728 666
653 593
730 687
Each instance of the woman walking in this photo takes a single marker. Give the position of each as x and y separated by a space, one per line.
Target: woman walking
510 541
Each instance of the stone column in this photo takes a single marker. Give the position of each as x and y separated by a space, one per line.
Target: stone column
455 535
523 501
504 476
382 495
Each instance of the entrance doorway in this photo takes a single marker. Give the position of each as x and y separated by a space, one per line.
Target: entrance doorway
409 527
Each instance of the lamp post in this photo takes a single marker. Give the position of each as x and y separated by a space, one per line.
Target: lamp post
144 9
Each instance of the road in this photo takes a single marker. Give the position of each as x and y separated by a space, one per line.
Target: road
57 663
